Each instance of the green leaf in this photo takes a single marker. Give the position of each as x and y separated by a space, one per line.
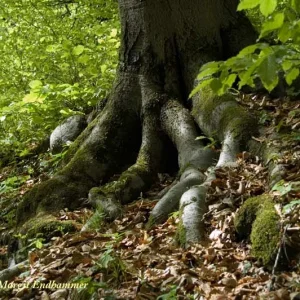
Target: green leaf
51 48
216 85
114 32
248 4
200 86
292 75
272 25
106 259
35 84
103 68
283 187
78 50
296 5
24 152
39 244
267 72
286 65
247 76
63 112
267 7
230 80
284 33
291 205
83 59
248 50
208 72
252 48
210 65
32 97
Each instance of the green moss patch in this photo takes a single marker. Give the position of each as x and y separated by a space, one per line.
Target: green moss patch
232 117
47 226
265 235
247 213
180 236
258 218
151 223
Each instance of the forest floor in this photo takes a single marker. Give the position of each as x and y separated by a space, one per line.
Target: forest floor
122 260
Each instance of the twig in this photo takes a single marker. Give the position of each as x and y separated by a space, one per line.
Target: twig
277 259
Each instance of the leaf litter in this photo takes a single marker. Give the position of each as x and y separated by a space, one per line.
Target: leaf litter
130 262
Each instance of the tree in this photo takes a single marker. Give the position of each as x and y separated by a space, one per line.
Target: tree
163 45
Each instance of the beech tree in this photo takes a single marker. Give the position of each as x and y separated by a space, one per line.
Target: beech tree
163 45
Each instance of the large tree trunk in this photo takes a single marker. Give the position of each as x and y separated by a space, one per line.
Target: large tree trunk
163 46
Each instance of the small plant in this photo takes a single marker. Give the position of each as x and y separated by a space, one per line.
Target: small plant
285 187
291 206
31 244
91 288
212 142
112 265
12 183
171 295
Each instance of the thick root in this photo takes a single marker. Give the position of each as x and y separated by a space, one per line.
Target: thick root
170 202
138 178
193 202
180 127
230 149
222 118
192 209
192 155
271 156
104 151
109 198
57 193
191 194
14 271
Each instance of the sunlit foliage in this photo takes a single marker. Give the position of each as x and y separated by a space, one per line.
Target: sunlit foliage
275 55
58 57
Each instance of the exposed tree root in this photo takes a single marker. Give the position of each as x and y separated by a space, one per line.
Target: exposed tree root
231 131
219 117
230 149
128 132
192 209
138 178
105 150
271 155
170 202
193 202
192 155
13 271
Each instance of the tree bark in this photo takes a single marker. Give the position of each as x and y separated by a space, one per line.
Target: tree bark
163 46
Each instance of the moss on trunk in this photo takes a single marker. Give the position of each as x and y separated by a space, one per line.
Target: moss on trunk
220 115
